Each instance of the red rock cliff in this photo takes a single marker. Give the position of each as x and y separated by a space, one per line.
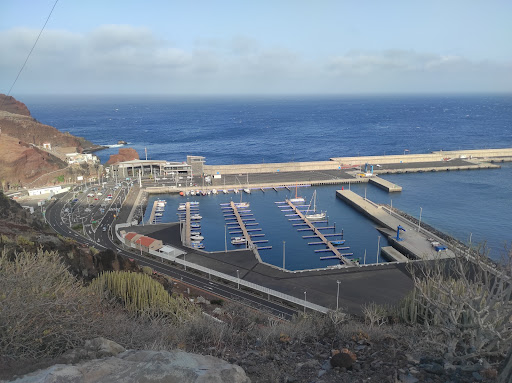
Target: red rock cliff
125 154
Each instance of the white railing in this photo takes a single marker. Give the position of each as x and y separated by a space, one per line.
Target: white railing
230 278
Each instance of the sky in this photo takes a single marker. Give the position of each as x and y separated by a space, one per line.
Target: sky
233 47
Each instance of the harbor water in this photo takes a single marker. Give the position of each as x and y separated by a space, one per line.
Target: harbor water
476 204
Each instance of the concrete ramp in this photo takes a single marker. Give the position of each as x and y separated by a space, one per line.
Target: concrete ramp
393 255
386 185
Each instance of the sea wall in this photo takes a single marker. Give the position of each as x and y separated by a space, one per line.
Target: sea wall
349 162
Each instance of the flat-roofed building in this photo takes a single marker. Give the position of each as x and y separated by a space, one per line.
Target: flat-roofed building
146 167
46 190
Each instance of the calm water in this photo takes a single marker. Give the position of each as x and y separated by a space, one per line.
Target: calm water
359 233
255 130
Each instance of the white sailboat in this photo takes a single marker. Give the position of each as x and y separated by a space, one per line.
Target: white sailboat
296 199
314 216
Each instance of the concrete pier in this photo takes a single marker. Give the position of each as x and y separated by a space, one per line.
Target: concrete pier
386 185
414 243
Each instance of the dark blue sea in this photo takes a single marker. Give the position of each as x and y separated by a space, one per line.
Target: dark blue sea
476 204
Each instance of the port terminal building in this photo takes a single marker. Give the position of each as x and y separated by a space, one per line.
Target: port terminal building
155 167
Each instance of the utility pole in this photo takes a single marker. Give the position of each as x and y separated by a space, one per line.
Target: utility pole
378 249
284 243
338 296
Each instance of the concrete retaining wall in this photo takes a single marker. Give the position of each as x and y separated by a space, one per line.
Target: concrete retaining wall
349 162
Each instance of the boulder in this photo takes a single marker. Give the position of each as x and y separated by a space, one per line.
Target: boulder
141 366
342 359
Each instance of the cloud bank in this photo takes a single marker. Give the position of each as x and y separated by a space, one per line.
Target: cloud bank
125 59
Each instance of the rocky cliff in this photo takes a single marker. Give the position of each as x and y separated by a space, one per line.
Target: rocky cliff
125 154
22 156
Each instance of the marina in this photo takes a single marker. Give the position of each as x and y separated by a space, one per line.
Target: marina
359 185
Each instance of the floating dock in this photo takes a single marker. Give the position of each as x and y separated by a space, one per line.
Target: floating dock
321 236
239 216
187 223
152 217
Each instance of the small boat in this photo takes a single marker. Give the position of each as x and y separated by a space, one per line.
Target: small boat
235 191
158 214
194 203
238 241
182 194
195 233
214 191
195 225
297 199
196 237
195 216
197 245
247 190
225 191
315 216
192 192
242 204
182 208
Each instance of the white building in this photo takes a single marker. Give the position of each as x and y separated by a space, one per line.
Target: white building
46 190
79 158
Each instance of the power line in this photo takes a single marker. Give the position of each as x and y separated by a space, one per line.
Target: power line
31 50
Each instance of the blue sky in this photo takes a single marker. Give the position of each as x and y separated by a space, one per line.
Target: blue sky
261 47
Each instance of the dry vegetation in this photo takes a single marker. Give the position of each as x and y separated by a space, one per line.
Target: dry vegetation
44 311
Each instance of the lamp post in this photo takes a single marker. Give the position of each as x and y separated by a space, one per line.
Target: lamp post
284 244
238 277
338 296
378 249
419 222
304 302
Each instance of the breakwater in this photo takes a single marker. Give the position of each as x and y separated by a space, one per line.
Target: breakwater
472 157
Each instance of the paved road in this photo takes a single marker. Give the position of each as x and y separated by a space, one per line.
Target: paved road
103 240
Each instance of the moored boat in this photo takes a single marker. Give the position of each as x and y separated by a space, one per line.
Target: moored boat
238 240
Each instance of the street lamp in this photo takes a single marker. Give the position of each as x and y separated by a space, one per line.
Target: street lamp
338 296
378 249
304 302
284 243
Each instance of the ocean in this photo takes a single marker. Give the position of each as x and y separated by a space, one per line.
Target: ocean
476 204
